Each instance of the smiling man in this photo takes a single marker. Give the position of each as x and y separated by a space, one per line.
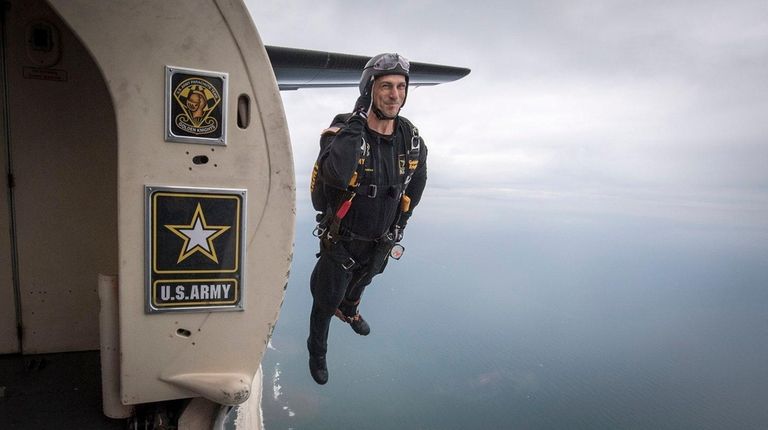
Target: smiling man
368 178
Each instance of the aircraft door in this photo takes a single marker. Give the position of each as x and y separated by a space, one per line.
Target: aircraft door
205 191
61 149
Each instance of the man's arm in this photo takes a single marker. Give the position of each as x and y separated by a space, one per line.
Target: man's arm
340 163
347 145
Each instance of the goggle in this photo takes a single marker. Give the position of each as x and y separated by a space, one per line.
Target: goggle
391 61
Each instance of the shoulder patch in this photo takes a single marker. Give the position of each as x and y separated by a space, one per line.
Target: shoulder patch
330 131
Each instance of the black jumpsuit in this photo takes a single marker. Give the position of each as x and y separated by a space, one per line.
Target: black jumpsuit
334 279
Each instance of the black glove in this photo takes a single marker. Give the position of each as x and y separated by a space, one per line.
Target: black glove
363 102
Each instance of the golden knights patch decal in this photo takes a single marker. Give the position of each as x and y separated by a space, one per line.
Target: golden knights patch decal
194 248
195 109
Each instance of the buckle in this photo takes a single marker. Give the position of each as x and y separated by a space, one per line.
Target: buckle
348 264
372 190
415 142
319 231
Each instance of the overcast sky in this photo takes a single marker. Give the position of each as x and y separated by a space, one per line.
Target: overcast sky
656 108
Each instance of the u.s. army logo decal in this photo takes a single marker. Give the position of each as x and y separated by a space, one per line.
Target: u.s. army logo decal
195 106
194 248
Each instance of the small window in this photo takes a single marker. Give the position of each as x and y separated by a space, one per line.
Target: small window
243 111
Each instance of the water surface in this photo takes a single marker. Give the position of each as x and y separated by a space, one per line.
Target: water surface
538 319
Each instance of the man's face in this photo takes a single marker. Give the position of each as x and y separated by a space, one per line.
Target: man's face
389 93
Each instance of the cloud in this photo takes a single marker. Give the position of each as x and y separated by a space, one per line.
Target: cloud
656 101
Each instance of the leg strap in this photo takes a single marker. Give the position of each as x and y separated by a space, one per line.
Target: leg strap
346 318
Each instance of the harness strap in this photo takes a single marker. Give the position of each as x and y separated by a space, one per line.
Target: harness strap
332 232
372 190
413 162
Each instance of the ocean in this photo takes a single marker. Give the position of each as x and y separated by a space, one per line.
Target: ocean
514 313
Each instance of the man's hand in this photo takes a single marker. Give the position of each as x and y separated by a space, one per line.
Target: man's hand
363 102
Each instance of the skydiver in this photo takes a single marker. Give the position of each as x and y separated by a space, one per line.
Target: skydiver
369 177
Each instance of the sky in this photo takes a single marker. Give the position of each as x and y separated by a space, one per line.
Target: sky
649 108
620 147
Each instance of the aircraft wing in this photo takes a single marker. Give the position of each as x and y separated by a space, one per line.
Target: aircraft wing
301 68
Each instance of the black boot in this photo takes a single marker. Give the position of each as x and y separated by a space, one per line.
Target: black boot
356 321
348 313
318 368
359 325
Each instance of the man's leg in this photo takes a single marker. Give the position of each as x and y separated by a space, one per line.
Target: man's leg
348 312
349 305
328 282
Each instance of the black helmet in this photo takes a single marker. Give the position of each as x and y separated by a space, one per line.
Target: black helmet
385 64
